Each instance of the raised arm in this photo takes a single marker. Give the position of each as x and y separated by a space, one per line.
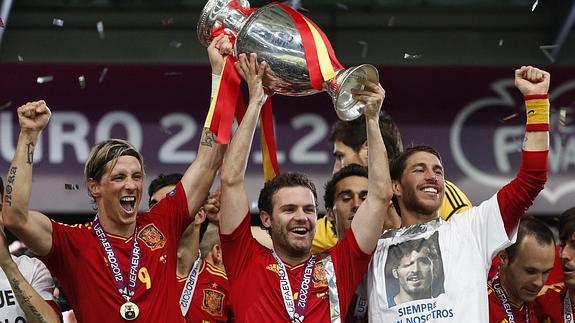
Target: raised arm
369 218
33 228
30 301
517 196
234 199
199 177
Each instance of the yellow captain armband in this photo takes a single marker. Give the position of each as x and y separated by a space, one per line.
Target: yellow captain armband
537 110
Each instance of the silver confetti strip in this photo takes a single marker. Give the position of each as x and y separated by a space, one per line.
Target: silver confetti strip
364 48
411 56
1 23
500 42
103 75
509 117
58 22
20 58
100 28
44 79
545 50
173 73
391 21
534 5
175 44
82 81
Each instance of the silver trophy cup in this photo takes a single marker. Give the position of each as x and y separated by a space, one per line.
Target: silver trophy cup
270 32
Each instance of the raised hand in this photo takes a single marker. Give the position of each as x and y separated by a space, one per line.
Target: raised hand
34 116
372 95
531 80
218 49
252 73
212 206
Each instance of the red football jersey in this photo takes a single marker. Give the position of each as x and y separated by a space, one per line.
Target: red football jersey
255 284
77 259
210 302
497 313
549 303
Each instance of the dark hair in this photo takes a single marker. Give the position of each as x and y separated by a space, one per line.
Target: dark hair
530 226
567 225
397 252
398 164
161 181
290 179
347 171
354 134
1 189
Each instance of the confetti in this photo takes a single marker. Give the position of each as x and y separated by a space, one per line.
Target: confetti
342 6
534 5
20 58
103 75
167 21
58 22
391 21
100 28
364 48
44 79
173 73
175 44
500 42
5 105
1 23
545 50
509 117
82 81
71 187
410 56
563 117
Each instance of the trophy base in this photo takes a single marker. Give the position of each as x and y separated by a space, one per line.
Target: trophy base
346 107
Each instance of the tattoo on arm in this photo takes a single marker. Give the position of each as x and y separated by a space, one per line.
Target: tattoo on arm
208 138
21 296
9 184
30 153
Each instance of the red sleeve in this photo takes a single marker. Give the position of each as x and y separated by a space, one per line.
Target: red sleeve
517 196
350 265
237 248
173 211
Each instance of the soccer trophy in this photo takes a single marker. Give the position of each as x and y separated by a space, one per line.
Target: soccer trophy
299 55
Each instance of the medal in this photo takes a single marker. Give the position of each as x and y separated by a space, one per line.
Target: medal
129 311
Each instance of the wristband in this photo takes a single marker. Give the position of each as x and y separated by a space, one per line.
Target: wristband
537 110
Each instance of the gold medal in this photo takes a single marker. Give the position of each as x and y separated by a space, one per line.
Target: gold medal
129 311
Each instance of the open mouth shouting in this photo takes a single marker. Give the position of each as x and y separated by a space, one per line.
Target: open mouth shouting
128 204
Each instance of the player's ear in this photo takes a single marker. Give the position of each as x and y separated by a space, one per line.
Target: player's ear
266 219
394 273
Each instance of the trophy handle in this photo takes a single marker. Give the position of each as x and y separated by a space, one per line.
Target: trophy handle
229 15
339 88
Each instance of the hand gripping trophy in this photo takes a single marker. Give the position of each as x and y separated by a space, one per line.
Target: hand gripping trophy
299 55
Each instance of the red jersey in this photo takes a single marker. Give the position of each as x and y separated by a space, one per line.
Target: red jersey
255 283
210 302
77 259
549 303
497 313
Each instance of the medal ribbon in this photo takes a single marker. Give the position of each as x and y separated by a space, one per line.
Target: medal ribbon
500 293
295 310
127 291
334 312
567 309
190 286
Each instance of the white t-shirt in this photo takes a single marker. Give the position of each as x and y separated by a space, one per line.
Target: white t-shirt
36 273
441 266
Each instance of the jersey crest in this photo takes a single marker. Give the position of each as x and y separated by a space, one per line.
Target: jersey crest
213 302
319 278
152 237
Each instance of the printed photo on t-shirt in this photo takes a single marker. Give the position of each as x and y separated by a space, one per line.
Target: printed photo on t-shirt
414 270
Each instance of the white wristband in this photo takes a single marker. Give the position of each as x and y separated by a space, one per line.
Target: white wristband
215 81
